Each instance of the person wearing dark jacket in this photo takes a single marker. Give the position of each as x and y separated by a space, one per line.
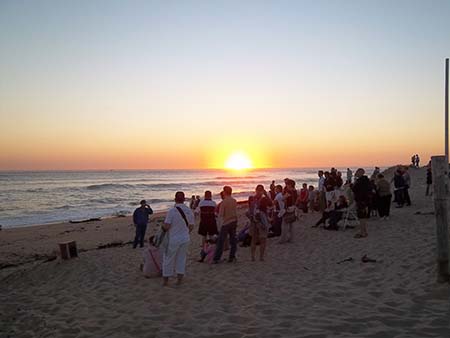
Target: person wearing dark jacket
384 197
407 179
361 190
140 220
429 181
399 188
339 180
208 223
336 213
330 181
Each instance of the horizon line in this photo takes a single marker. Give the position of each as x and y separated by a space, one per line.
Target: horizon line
192 169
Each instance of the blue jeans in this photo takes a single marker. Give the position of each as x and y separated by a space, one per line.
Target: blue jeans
226 230
140 235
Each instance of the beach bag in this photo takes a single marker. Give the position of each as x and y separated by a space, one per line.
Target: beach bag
289 217
152 263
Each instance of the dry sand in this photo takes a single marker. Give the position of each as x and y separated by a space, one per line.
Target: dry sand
299 291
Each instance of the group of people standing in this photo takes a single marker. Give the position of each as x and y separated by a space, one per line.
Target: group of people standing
166 254
366 195
270 213
335 197
266 212
402 183
415 161
218 226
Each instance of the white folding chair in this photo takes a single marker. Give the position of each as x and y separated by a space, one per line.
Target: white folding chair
350 216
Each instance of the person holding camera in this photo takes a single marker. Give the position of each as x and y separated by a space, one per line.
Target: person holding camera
140 220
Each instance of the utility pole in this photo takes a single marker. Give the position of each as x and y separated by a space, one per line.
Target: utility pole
446 110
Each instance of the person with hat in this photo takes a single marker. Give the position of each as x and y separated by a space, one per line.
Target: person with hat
140 220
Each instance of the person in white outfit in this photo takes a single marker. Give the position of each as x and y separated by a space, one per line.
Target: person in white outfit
179 223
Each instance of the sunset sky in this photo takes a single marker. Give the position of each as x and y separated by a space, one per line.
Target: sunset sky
184 84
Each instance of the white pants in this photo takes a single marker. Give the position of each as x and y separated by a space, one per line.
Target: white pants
174 258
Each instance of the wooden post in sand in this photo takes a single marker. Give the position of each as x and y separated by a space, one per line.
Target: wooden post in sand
439 166
68 250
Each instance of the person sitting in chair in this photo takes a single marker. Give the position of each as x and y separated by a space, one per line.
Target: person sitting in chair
336 213
331 197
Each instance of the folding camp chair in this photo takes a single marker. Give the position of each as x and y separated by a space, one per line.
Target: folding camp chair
350 216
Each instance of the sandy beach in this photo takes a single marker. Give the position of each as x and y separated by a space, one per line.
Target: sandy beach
299 291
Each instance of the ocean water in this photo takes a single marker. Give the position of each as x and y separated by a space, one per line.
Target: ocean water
28 198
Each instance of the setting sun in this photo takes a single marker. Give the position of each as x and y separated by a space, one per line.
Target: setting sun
238 161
